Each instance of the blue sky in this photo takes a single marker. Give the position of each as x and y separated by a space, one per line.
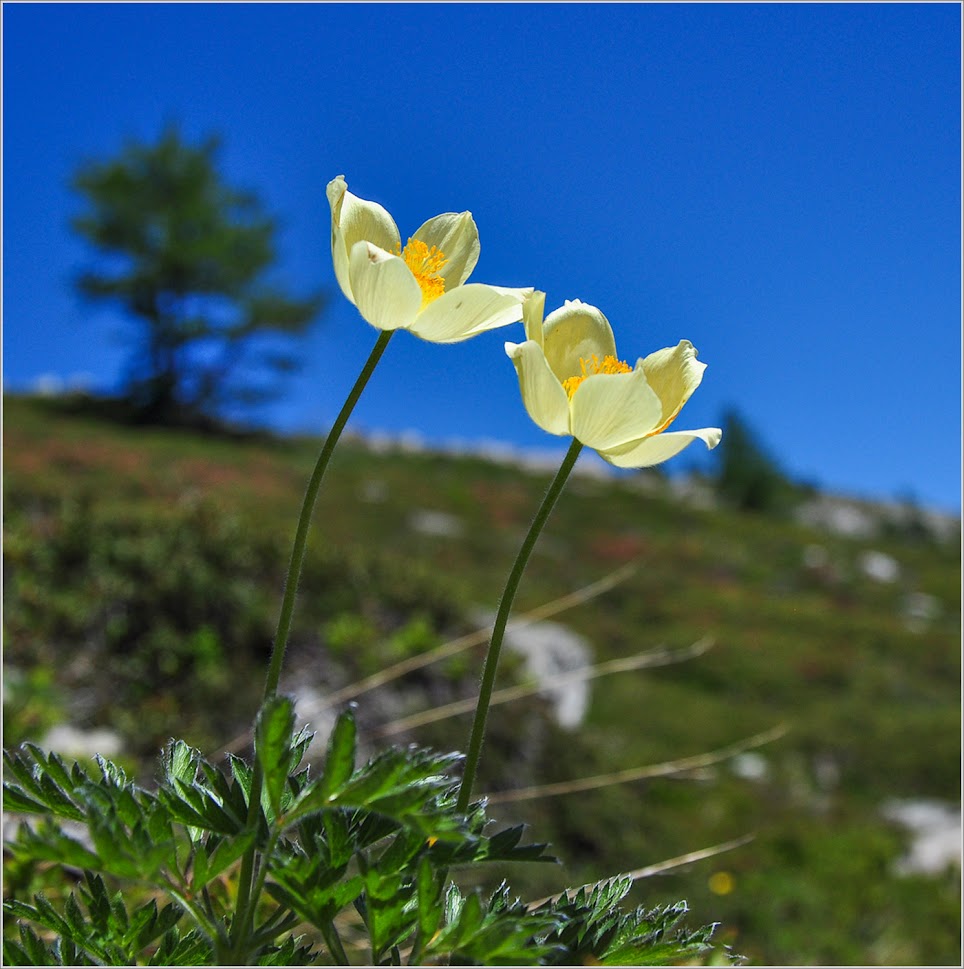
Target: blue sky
778 183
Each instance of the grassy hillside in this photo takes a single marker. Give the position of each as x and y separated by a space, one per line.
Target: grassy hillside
143 569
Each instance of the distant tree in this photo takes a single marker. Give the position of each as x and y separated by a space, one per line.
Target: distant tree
186 256
747 477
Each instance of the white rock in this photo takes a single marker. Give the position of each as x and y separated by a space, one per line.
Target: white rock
937 835
919 610
73 742
550 649
430 522
750 765
879 566
839 516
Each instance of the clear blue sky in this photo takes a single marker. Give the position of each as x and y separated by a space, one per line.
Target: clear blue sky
778 183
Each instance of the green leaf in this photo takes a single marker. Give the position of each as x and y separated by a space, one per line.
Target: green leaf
16 801
242 774
273 737
338 840
103 934
180 762
31 952
500 932
191 949
318 898
388 915
428 892
593 928
289 953
50 843
470 917
401 851
225 852
340 759
198 806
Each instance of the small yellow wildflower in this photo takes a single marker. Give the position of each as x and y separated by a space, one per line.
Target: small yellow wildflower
721 883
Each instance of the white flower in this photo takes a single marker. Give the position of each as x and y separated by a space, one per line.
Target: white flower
573 382
422 287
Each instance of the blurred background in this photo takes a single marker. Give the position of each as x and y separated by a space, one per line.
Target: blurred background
779 184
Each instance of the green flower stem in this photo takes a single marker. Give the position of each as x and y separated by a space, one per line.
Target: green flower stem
498 630
301 536
247 900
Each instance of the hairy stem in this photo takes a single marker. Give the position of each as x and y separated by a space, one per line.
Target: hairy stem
304 521
498 630
247 900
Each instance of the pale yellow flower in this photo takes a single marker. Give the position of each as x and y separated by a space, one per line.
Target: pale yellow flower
420 287
573 382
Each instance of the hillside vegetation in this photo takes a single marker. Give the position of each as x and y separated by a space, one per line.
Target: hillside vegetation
143 571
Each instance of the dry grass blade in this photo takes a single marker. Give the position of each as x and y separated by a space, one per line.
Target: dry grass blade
664 769
478 637
678 862
651 658
451 648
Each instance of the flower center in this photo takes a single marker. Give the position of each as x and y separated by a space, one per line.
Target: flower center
425 264
590 365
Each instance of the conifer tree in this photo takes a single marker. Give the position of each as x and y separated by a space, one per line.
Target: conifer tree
186 256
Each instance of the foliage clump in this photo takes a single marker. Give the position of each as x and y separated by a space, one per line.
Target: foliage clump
355 863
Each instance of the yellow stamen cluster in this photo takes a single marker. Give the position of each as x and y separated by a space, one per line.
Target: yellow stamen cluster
590 365
425 264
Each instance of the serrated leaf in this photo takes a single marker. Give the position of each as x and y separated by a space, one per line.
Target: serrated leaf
160 923
44 914
388 916
242 774
16 801
428 891
37 953
58 800
49 843
340 758
273 737
401 851
470 918
289 953
338 840
97 900
198 806
453 904
119 913
225 854
110 772
317 903
192 949
55 768
180 762
74 916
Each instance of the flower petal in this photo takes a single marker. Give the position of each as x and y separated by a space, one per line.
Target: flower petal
355 220
456 235
576 331
673 373
545 400
654 450
609 409
385 291
468 310
533 312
